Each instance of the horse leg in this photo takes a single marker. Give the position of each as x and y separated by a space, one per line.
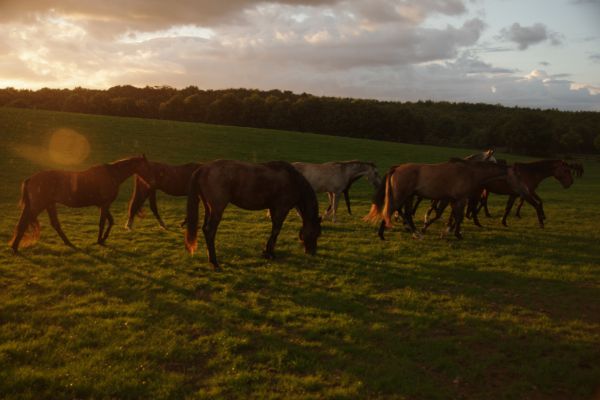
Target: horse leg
540 202
509 204
518 211
432 208
111 222
52 214
19 232
26 219
381 230
277 218
101 225
140 193
538 209
212 218
484 203
336 201
414 209
347 200
472 208
409 221
458 212
439 206
152 201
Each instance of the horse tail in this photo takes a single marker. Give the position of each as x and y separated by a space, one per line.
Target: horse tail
28 225
387 211
378 201
191 219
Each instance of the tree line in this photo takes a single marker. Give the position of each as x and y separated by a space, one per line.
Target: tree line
517 130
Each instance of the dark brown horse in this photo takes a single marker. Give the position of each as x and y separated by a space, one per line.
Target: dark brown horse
455 181
170 179
96 186
276 186
440 205
531 175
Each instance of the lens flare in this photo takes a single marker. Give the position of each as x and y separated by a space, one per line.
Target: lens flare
68 147
65 147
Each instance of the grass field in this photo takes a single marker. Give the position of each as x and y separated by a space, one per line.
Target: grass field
505 313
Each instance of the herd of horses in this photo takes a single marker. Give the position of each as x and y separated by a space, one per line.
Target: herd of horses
279 187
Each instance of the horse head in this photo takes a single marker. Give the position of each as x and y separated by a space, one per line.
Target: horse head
309 233
372 174
489 155
562 173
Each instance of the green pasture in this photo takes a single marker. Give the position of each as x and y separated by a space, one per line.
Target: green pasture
507 313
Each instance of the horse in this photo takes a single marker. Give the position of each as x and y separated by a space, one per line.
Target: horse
276 186
96 186
170 179
335 178
455 180
531 174
440 205
577 170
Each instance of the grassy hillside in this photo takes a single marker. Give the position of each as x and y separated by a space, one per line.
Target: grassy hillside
505 313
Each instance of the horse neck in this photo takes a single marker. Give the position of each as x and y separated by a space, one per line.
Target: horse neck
307 203
357 170
538 171
121 170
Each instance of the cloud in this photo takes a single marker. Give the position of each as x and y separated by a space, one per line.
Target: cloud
595 57
385 49
525 36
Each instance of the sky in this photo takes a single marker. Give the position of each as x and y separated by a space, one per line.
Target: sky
531 53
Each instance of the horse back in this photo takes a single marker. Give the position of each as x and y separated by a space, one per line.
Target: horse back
249 186
172 179
325 177
94 186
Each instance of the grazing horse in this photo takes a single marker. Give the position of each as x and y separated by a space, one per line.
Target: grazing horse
531 174
455 180
336 177
276 186
170 179
96 186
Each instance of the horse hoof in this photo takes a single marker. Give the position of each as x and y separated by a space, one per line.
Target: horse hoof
417 236
268 255
217 268
504 224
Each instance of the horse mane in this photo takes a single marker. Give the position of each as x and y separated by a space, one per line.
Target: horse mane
541 166
356 162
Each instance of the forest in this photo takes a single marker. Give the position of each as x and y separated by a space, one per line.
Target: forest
512 129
